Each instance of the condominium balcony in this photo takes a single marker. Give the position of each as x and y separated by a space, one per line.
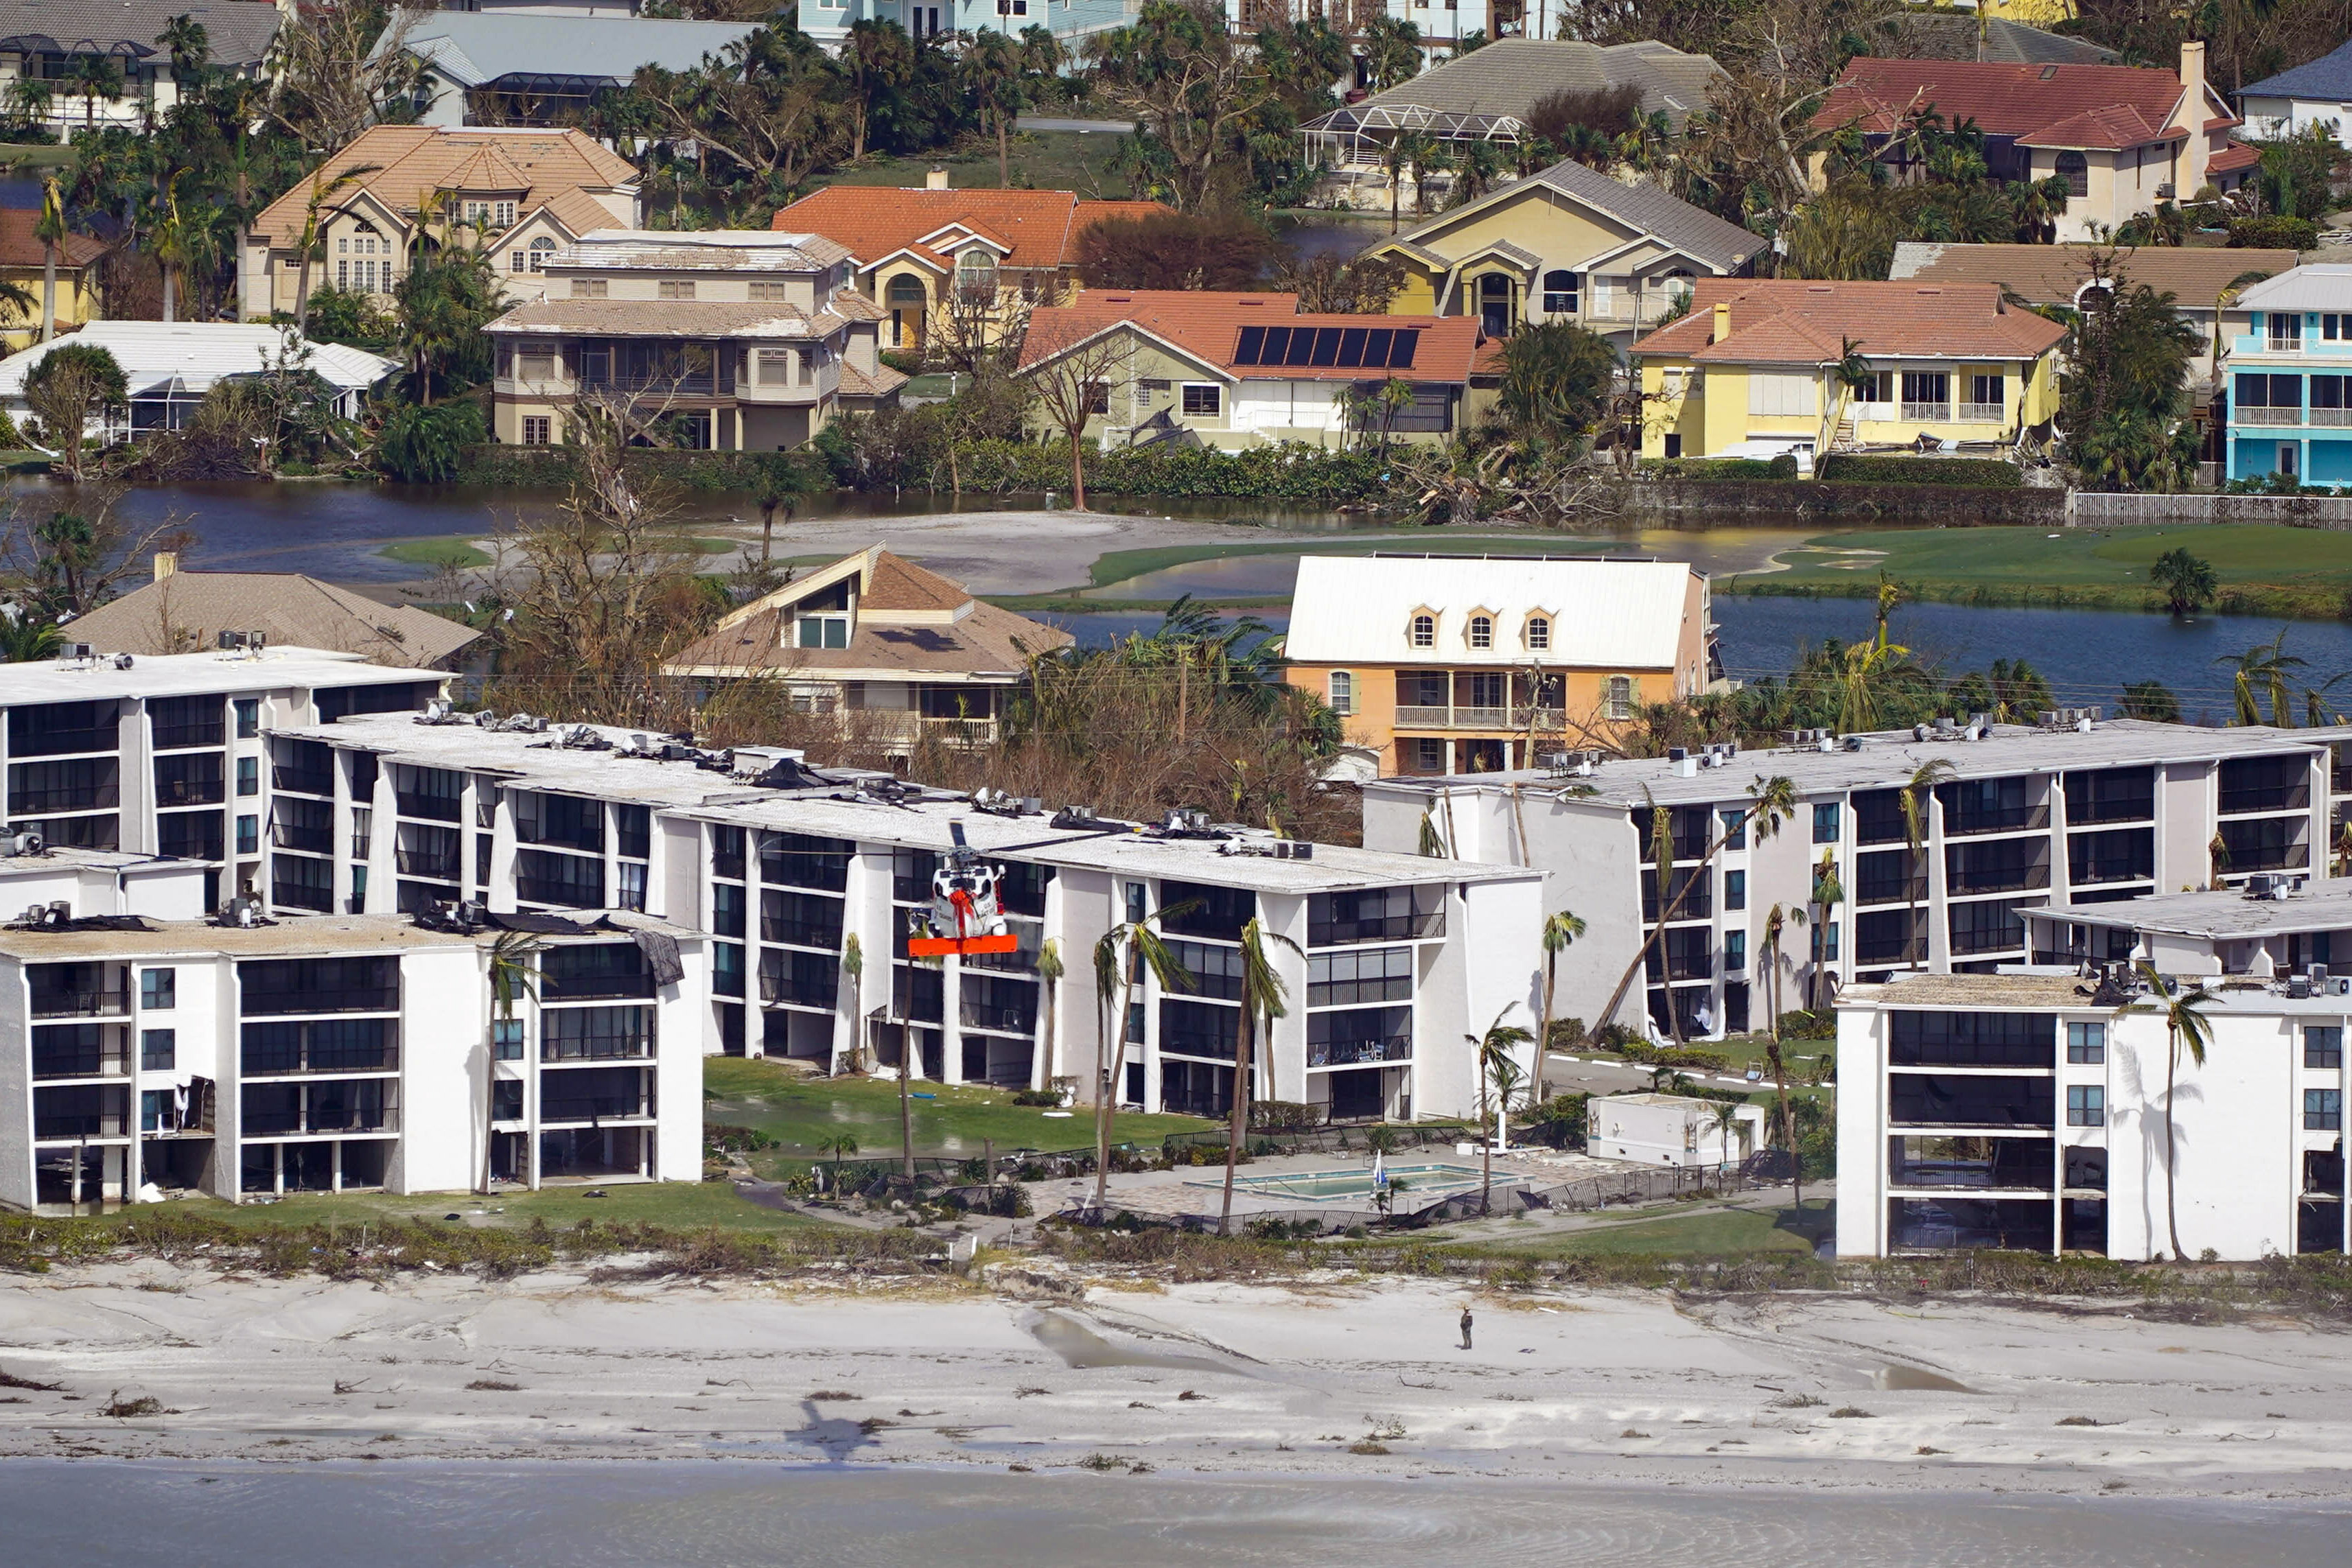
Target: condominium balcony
1429 716
1360 1052
70 1004
1980 414
302 781
2242 414
592 1108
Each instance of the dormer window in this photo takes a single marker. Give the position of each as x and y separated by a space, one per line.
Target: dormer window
1481 633
976 274
1424 630
1540 634
824 631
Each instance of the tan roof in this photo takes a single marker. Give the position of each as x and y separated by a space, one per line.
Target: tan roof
1790 321
410 162
2050 274
186 612
1990 991
1036 228
578 211
909 623
881 381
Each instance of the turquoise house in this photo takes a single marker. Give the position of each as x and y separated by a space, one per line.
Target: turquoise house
2287 376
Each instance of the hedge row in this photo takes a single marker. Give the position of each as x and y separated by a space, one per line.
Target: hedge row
1287 473
551 466
1784 467
1990 473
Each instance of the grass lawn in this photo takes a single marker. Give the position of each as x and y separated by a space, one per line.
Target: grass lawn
1041 160
801 1112
668 1203
1706 1233
2278 570
448 549
24 156
1118 565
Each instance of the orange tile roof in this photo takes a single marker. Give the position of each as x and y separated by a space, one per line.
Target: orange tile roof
1792 322
1208 327
2108 107
412 161
2236 155
1038 226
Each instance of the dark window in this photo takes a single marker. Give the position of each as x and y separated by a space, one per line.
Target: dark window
726 852
1197 1029
1369 975
2001 865
814 979
632 827
186 721
565 820
1355 1036
1379 914
1203 401
295 823
910 874
2264 843
2265 784
542 877
2116 795
805 919
1972 1163
581 973
158 1050
1992 806
189 778
190 835
2086 1043
248 717
1889 876
1878 817
399 697
1933 1100
53 730
506 1100
1735 890
2119 855
1216 971
591 1034
1216 912
800 861
299 882
1990 927
726 909
85 784
2086 1105
1971 1040
323 1045
304 766
2323 1046
1825 823
1889 936
1686 826
320 984
1734 824
1688 892
2322 1110
159 988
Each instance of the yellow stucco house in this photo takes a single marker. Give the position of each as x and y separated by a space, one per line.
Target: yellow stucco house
21 258
1568 244
1753 369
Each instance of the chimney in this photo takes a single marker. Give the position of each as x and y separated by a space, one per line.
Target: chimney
1722 323
167 562
2197 151
936 178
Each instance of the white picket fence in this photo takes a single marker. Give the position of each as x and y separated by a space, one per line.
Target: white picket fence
2087 509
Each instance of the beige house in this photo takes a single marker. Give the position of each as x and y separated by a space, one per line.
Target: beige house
906 651
189 611
1239 371
1570 244
2123 138
523 195
746 339
943 263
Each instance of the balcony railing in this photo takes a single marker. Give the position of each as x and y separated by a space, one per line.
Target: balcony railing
431 808
52 802
110 1124
333 1119
434 866
1999 819
66 742
1428 716
2331 416
255 1062
309 840
174 736
597 1048
1358 1052
822 934
883 725
684 383
303 780
320 999
79 1004
1912 890
592 1107
99 1062
774 988
1982 414
190 792
569 895
2293 796
1934 413
2258 415
998 1020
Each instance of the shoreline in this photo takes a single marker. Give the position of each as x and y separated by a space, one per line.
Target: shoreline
1330 1376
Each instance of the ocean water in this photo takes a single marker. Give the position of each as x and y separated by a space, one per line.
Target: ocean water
722 1514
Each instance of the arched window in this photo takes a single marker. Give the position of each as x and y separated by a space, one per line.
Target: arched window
1621 697
2075 170
1424 631
1559 292
1540 634
905 299
541 249
1482 631
976 274
1342 689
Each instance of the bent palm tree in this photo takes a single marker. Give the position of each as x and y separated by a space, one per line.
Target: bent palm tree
1559 933
2184 1025
1774 922
1918 794
514 977
1828 892
1771 802
2260 675
1122 949
1049 976
1264 999
1493 1049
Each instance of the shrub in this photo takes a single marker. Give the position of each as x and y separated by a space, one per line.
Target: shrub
1844 468
427 445
1036 1097
1567 1033
2275 233
1784 466
1717 468
719 1138
1282 1116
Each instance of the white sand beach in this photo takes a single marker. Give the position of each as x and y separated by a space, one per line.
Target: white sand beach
1340 1377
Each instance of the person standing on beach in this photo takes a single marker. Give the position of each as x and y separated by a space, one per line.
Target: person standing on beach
1465 1328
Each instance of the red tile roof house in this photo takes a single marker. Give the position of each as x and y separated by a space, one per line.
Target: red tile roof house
1239 371
918 250
2125 138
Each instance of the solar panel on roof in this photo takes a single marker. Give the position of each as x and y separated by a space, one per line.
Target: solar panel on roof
1376 346
1253 340
1408 341
1373 348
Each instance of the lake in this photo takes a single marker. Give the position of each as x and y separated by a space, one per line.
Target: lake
725 1515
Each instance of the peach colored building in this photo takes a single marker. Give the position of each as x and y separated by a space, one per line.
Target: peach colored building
1476 664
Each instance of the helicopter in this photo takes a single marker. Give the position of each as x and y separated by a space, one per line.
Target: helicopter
965 916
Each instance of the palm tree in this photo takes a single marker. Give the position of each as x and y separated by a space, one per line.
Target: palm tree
2184 1025
171 242
1774 922
1918 793
1559 933
2188 582
1493 1048
191 47
2260 673
94 77
1771 802
852 963
1264 999
1049 975
1125 947
321 188
25 637
990 69
1850 374
877 58
514 977
51 232
2227 292
1727 1123
1828 892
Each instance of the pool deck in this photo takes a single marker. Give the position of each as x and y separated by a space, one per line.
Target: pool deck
1200 1189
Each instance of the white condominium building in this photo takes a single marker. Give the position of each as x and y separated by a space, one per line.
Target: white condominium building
805 882
141 1057
2051 1112
2078 809
164 755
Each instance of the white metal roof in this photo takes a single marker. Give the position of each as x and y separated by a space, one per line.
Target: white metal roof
197 353
2317 286
2221 915
190 675
765 250
1604 614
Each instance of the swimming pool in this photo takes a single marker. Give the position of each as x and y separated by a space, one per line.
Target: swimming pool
1324 1187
